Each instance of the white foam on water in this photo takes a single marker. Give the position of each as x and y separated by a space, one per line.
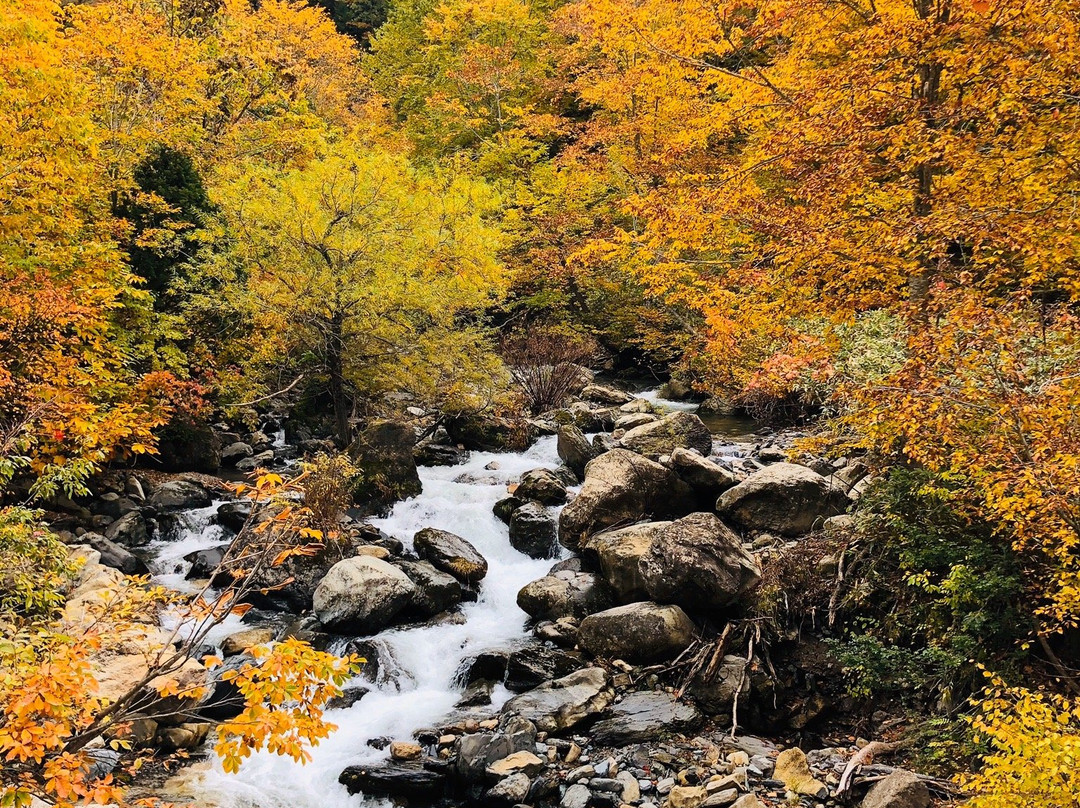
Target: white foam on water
458 499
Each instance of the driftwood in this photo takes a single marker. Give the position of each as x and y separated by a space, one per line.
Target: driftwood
863 757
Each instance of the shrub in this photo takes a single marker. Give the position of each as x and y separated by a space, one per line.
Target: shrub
329 482
546 363
35 566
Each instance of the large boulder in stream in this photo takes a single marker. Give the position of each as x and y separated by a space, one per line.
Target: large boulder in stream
363 594
543 486
574 449
708 479
436 592
564 594
677 430
783 498
534 531
695 562
564 703
698 563
450 553
638 632
406 780
490 433
384 453
621 487
176 495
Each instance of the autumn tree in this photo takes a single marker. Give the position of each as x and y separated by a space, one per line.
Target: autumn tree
362 270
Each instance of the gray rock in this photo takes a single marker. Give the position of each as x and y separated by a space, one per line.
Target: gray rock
618 554
533 665
362 594
708 479
510 790
638 632
475 752
450 553
716 695
645 716
409 781
676 430
235 452
563 703
234 515
698 563
178 495
205 562
534 531
901 789
543 486
605 394
130 530
437 591
115 556
564 594
439 454
574 449
621 487
577 796
783 498
505 507
256 461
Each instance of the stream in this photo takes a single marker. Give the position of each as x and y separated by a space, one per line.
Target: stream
416 686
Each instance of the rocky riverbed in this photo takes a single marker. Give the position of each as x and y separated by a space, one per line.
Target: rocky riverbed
550 615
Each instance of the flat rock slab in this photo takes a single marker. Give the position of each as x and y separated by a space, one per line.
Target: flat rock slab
645 716
408 780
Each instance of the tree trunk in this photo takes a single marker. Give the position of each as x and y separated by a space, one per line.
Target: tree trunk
336 371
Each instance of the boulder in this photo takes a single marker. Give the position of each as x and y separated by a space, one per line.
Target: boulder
621 487
638 632
543 486
476 751
563 703
534 531
716 695
241 641
532 665
177 495
618 554
235 452
574 449
436 591
634 419
288 586
708 479
130 530
793 770
438 454
605 394
783 498
900 789
115 556
234 515
256 461
408 781
644 716
205 562
675 430
405 750
362 594
686 797
505 507
513 789
564 594
384 453
490 433
698 563
450 553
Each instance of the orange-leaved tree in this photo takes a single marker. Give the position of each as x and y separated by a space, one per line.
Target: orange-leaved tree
84 670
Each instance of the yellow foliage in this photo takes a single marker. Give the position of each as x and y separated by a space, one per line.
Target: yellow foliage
1034 760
